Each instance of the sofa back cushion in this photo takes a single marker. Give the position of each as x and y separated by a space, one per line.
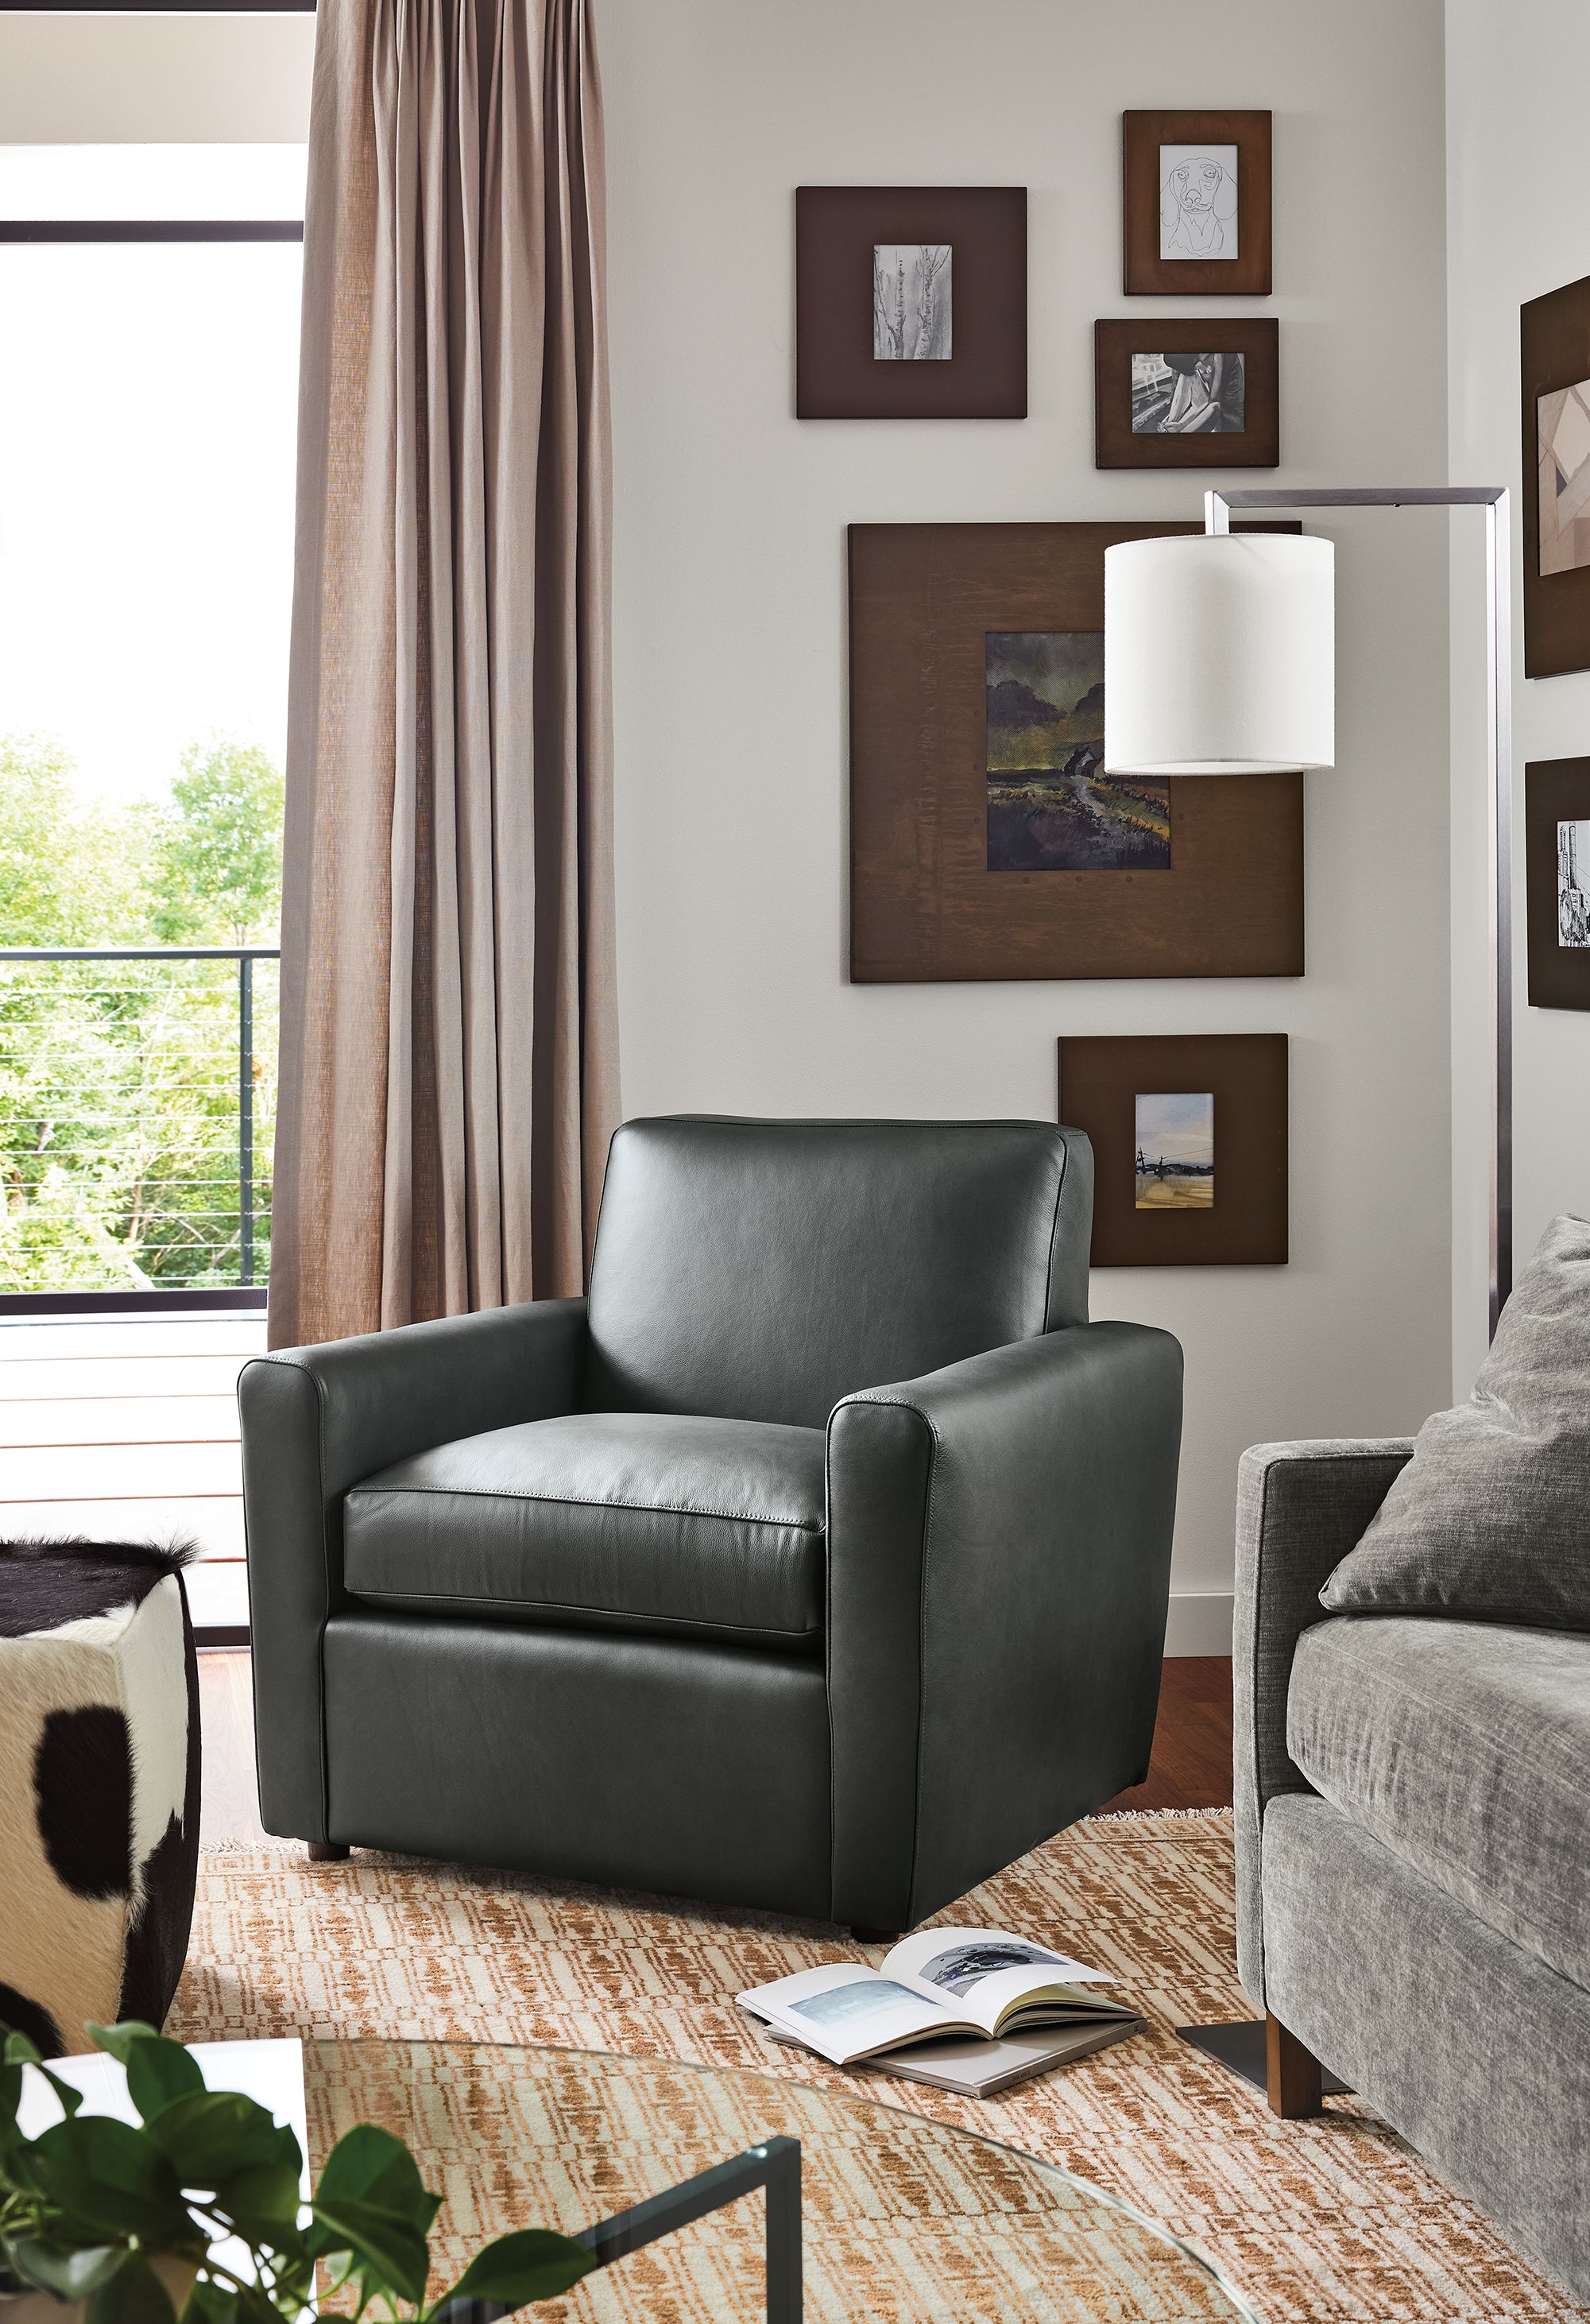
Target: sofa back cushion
1490 1518
761 1270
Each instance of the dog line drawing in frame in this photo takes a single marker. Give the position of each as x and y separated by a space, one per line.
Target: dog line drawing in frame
1198 201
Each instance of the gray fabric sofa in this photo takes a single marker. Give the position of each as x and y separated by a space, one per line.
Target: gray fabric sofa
1412 1866
818 1562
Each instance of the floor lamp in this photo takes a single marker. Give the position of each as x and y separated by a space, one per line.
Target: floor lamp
1219 658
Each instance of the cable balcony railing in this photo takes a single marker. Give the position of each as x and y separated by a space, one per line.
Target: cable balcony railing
137 1110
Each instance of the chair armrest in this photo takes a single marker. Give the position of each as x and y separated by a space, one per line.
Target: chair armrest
314 1421
1000 1545
1299 1510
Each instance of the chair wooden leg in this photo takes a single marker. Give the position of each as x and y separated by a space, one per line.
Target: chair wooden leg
328 1851
1295 2076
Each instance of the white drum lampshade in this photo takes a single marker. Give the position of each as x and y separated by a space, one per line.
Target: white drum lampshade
1219 654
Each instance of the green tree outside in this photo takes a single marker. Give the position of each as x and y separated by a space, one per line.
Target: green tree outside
118 1079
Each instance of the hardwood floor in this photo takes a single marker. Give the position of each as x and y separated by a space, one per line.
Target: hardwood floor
1190 1768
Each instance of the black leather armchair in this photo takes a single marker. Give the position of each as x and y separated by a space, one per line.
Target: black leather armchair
819 1562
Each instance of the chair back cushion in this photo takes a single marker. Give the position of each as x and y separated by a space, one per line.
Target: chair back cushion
761 1270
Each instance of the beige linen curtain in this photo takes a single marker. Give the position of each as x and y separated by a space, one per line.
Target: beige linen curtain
448 1075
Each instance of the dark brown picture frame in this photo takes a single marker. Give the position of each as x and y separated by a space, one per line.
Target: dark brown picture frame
1556 790
1100 1079
1143 270
925 907
1256 338
985 375
1554 352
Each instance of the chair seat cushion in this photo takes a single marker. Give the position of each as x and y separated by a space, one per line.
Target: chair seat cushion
1464 1747
632 1520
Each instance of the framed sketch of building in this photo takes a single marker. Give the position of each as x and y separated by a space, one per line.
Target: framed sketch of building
1556 882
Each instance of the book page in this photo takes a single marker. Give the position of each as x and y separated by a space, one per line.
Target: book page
847 2013
986 1973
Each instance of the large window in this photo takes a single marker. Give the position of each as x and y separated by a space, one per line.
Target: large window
147 414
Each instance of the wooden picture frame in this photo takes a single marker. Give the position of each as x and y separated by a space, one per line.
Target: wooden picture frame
1232 393
1556 882
961 870
982 322
1234 1084
1192 258
1554 359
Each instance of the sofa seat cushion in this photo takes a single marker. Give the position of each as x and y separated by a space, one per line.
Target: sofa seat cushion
632 1520
1465 1746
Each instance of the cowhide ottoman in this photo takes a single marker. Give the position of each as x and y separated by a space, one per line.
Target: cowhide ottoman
99 1774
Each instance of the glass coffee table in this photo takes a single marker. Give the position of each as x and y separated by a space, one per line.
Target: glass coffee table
902 2217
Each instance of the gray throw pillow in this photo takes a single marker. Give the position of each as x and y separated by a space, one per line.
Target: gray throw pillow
1491 1518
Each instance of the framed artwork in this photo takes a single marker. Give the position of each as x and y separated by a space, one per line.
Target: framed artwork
911 302
1553 351
1190 1146
1201 394
1196 205
1556 882
985 840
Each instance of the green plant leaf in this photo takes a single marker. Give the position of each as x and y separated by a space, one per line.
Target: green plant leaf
210 2303
135 2295
110 2180
158 2072
262 2202
20 2051
119 2041
391 2251
209 2135
371 2166
69 2274
534 2264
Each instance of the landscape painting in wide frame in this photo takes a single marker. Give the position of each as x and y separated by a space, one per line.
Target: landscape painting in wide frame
987 839
1189 1137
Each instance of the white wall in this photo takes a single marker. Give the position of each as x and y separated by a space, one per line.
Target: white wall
1517 225
730 617
81 79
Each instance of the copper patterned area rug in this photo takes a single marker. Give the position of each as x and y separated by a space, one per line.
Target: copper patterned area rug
1313 2221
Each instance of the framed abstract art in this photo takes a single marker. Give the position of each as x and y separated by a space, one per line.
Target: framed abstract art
911 302
1190 1146
1198 395
1554 348
1195 191
985 840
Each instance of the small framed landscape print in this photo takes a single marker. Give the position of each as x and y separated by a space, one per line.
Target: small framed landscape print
911 302
1196 204
1190 1146
1201 394
1556 882
1554 343
986 838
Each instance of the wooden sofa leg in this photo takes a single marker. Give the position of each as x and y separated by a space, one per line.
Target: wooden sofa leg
865 1936
328 1851
1294 2074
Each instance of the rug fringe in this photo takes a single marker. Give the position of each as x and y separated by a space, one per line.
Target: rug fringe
1163 1815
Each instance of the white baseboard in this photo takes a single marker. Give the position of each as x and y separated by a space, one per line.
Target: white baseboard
1200 1622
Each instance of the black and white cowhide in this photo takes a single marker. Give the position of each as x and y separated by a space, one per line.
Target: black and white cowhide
99 1775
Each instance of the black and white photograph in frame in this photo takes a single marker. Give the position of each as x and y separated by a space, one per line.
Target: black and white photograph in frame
1188 393
1573 885
911 311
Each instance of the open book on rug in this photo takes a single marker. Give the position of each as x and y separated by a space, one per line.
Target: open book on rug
939 1982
